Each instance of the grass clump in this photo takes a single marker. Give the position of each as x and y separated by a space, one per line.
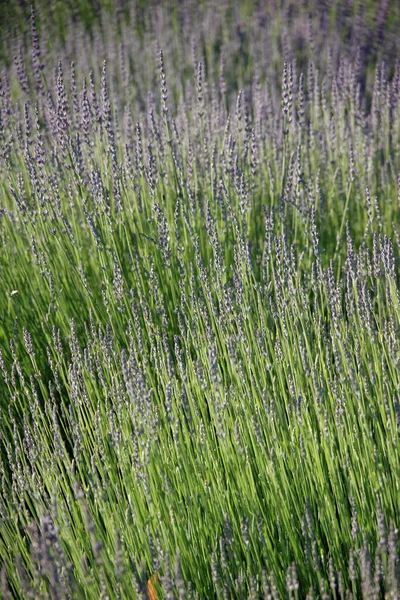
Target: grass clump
199 325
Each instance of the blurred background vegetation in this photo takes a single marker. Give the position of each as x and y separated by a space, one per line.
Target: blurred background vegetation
371 27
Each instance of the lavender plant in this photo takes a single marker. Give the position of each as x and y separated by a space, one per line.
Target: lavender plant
199 333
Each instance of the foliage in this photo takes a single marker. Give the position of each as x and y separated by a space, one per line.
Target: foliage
199 317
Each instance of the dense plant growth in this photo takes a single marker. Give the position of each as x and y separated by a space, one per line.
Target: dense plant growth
200 303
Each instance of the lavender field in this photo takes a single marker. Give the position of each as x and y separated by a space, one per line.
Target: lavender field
200 300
